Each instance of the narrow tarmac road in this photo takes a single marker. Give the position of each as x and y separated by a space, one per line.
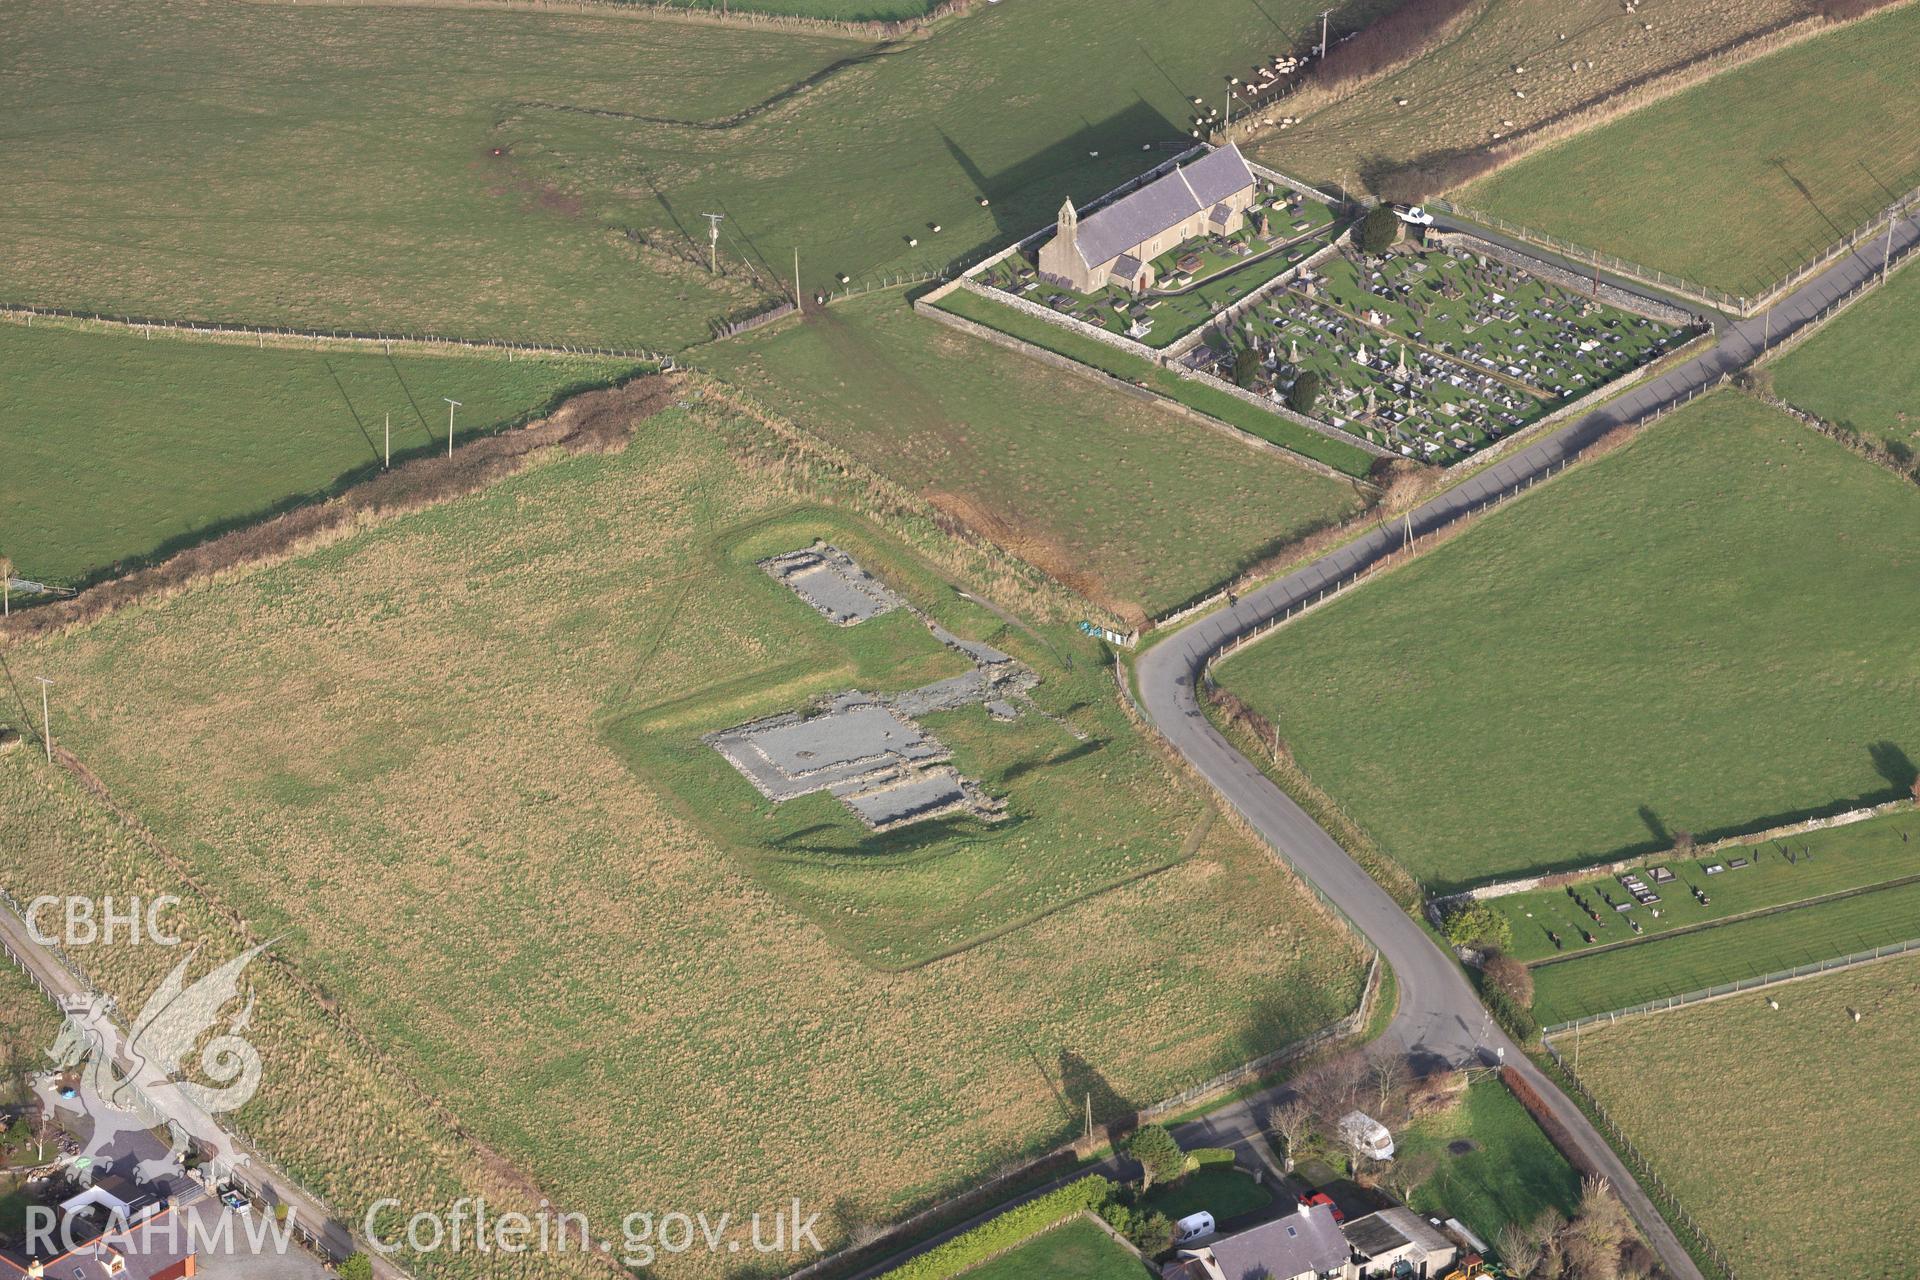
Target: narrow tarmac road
1440 1019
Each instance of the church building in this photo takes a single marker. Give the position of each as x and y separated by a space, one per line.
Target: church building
1117 244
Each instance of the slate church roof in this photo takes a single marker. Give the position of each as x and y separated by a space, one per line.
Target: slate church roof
1162 203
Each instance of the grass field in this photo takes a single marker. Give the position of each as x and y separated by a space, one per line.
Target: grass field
1139 370
1749 948
120 449
1609 660
1738 181
394 755
1740 1106
549 176
1460 95
1858 371
1510 1173
1822 863
1078 1250
1131 505
831 10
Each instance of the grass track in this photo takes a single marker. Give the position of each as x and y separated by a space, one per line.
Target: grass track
1743 178
1586 671
1738 1105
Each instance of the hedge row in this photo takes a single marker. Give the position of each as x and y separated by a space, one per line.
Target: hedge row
1004 1232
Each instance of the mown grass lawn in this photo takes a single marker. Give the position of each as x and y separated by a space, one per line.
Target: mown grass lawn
1860 372
1709 631
121 449
1135 507
1138 369
1505 1170
1738 1105
1079 1250
548 177
1220 1190
1744 177
1750 948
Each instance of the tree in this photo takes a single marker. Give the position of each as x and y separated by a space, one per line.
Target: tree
1160 1157
1379 229
1409 1173
1305 392
1386 1077
1246 367
1147 1230
1333 1087
356 1266
1293 1121
1518 1249
1475 924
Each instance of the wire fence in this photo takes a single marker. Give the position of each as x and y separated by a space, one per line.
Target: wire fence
1734 988
372 337
1676 1213
1743 305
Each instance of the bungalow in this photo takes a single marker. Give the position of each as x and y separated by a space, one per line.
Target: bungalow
1303 1245
1395 1235
1117 244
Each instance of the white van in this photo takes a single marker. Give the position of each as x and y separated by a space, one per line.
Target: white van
1366 1135
1192 1227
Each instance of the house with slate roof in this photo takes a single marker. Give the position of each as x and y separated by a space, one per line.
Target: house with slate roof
1117 244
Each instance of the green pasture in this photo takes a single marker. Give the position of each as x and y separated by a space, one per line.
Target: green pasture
1743 178
530 174
120 449
1860 372
1708 631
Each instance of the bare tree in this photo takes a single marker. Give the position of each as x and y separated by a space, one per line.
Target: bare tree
1519 1250
1293 1121
1409 1173
1333 1087
1386 1078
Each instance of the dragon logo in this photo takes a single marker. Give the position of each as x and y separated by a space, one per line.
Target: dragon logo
128 1083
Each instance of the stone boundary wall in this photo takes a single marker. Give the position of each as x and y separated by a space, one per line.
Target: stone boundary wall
925 306
1070 323
1281 411
1610 294
1506 888
1233 311
1274 175
1606 391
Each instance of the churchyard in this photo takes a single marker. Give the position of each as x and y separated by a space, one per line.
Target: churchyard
1526 680
1688 920
964 983
1740 1105
1439 354
1195 280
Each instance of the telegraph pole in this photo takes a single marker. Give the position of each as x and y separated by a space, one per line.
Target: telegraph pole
452 404
796 275
46 719
1886 255
388 464
1324 13
713 240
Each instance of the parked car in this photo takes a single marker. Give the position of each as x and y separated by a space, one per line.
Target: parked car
1192 1227
1321 1197
1413 215
235 1201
